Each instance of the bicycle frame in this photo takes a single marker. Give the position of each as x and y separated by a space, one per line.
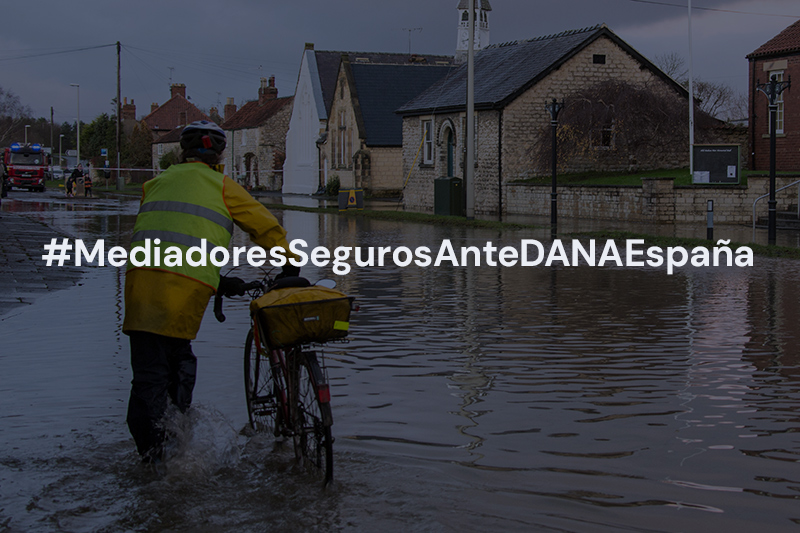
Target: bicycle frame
284 368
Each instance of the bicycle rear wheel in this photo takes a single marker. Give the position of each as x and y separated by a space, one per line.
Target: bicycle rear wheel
313 418
264 398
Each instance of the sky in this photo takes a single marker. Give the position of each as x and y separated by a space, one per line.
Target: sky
221 49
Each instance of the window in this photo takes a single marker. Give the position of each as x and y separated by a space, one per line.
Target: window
779 114
244 137
342 152
160 149
599 59
427 142
603 137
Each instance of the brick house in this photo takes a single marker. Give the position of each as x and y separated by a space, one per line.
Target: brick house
305 170
512 83
177 111
364 142
257 138
780 57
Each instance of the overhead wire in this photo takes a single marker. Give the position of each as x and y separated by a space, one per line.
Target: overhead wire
68 51
684 6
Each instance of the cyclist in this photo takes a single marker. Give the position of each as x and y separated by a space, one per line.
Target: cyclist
164 305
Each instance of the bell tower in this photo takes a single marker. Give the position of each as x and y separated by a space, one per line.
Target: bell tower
482 8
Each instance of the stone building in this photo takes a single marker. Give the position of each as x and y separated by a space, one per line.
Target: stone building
257 138
364 141
779 57
305 171
169 142
513 81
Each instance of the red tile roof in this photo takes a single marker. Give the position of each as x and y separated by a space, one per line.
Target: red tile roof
170 114
252 115
785 42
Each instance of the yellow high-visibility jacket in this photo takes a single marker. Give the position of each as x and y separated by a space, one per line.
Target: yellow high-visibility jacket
187 202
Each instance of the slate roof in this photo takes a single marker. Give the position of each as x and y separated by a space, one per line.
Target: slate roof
168 115
786 42
252 115
381 89
173 136
504 71
328 66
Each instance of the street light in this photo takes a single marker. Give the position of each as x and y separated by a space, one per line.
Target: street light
26 132
772 90
554 108
77 86
60 163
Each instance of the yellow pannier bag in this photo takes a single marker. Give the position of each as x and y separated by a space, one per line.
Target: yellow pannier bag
302 315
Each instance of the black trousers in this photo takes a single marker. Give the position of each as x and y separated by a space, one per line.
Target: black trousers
164 369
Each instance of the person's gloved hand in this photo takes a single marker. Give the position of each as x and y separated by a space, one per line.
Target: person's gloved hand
288 271
231 286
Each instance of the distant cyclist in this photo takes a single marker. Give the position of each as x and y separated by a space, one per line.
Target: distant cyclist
164 306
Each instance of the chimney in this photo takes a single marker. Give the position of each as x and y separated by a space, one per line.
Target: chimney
267 92
177 89
153 107
128 110
229 109
213 112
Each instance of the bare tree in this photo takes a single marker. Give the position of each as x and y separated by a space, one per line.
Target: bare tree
673 65
620 126
12 116
717 99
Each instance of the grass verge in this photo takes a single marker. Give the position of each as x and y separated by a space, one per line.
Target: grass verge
406 216
785 252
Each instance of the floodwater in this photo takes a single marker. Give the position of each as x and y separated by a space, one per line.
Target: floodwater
468 399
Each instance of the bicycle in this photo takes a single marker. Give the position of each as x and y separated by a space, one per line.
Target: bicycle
286 387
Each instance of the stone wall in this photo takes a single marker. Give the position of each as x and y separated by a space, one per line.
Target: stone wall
253 153
386 171
418 194
344 137
525 117
657 200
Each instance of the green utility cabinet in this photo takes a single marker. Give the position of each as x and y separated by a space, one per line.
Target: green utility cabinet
448 196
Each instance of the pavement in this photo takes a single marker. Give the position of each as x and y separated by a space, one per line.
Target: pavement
23 274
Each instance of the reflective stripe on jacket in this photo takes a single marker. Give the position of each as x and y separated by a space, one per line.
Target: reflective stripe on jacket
182 206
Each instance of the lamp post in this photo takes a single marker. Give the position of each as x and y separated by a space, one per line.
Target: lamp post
554 108
772 90
26 132
60 163
78 87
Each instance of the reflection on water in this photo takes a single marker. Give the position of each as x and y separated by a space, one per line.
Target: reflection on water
545 399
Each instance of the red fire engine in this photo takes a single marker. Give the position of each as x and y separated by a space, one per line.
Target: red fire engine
26 166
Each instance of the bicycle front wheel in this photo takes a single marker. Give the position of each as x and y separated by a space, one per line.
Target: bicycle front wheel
313 418
264 404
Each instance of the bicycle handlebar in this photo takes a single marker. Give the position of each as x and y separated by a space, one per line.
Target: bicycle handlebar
240 290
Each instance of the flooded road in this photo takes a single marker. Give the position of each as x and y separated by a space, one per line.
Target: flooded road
468 399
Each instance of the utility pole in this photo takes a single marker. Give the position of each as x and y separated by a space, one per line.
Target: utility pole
470 170
691 99
120 182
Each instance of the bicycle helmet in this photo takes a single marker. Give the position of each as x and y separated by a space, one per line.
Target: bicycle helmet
203 136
